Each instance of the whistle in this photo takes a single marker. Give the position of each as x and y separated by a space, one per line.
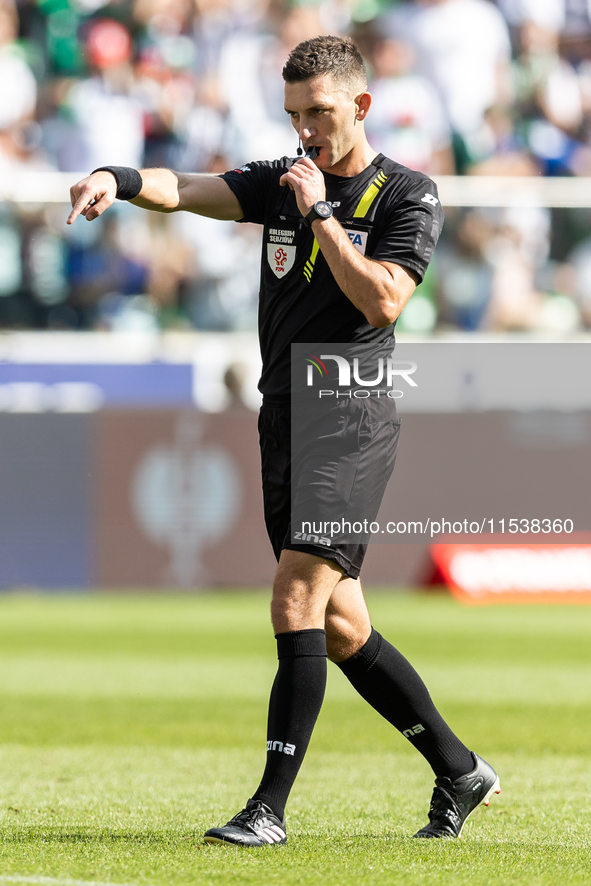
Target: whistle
312 152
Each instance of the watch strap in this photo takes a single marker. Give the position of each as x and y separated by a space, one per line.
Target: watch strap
314 214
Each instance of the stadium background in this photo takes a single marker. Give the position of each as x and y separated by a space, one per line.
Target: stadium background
128 362
128 355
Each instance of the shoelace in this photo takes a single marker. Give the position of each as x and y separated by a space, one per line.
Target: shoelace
249 815
441 802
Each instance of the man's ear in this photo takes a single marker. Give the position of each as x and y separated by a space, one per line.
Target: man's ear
362 105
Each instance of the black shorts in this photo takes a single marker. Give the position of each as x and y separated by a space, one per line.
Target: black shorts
364 433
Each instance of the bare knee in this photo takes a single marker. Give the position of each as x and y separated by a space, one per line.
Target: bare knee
301 591
347 620
344 637
294 608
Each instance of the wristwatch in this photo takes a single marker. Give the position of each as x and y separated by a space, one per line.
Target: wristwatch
320 210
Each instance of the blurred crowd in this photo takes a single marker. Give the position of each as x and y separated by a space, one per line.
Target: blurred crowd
459 87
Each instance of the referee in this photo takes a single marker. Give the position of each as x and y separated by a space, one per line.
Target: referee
357 233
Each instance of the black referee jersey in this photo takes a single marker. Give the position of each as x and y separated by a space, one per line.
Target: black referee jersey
390 212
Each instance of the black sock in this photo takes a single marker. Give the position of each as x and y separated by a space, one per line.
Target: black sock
390 684
296 699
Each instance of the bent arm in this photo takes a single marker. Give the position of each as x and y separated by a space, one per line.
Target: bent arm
162 191
378 289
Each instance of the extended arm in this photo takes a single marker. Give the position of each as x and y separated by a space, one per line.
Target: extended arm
162 191
379 290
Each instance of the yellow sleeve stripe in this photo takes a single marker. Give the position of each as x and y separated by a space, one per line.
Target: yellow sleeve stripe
309 266
370 195
361 211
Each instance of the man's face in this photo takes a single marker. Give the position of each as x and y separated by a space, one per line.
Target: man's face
324 116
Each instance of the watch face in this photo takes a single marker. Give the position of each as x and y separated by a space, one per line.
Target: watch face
323 209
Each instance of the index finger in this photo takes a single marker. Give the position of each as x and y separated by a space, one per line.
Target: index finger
285 180
306 161
80 205
297 172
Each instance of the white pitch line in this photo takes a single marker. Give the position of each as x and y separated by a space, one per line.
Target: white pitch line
53 881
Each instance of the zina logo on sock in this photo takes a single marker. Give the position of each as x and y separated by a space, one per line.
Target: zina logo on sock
408 733
282 748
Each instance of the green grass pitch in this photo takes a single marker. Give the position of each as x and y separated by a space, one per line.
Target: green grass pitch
131 724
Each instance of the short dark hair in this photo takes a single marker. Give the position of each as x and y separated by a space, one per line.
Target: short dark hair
338 56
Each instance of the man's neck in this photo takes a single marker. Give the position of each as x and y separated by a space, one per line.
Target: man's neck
358 159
